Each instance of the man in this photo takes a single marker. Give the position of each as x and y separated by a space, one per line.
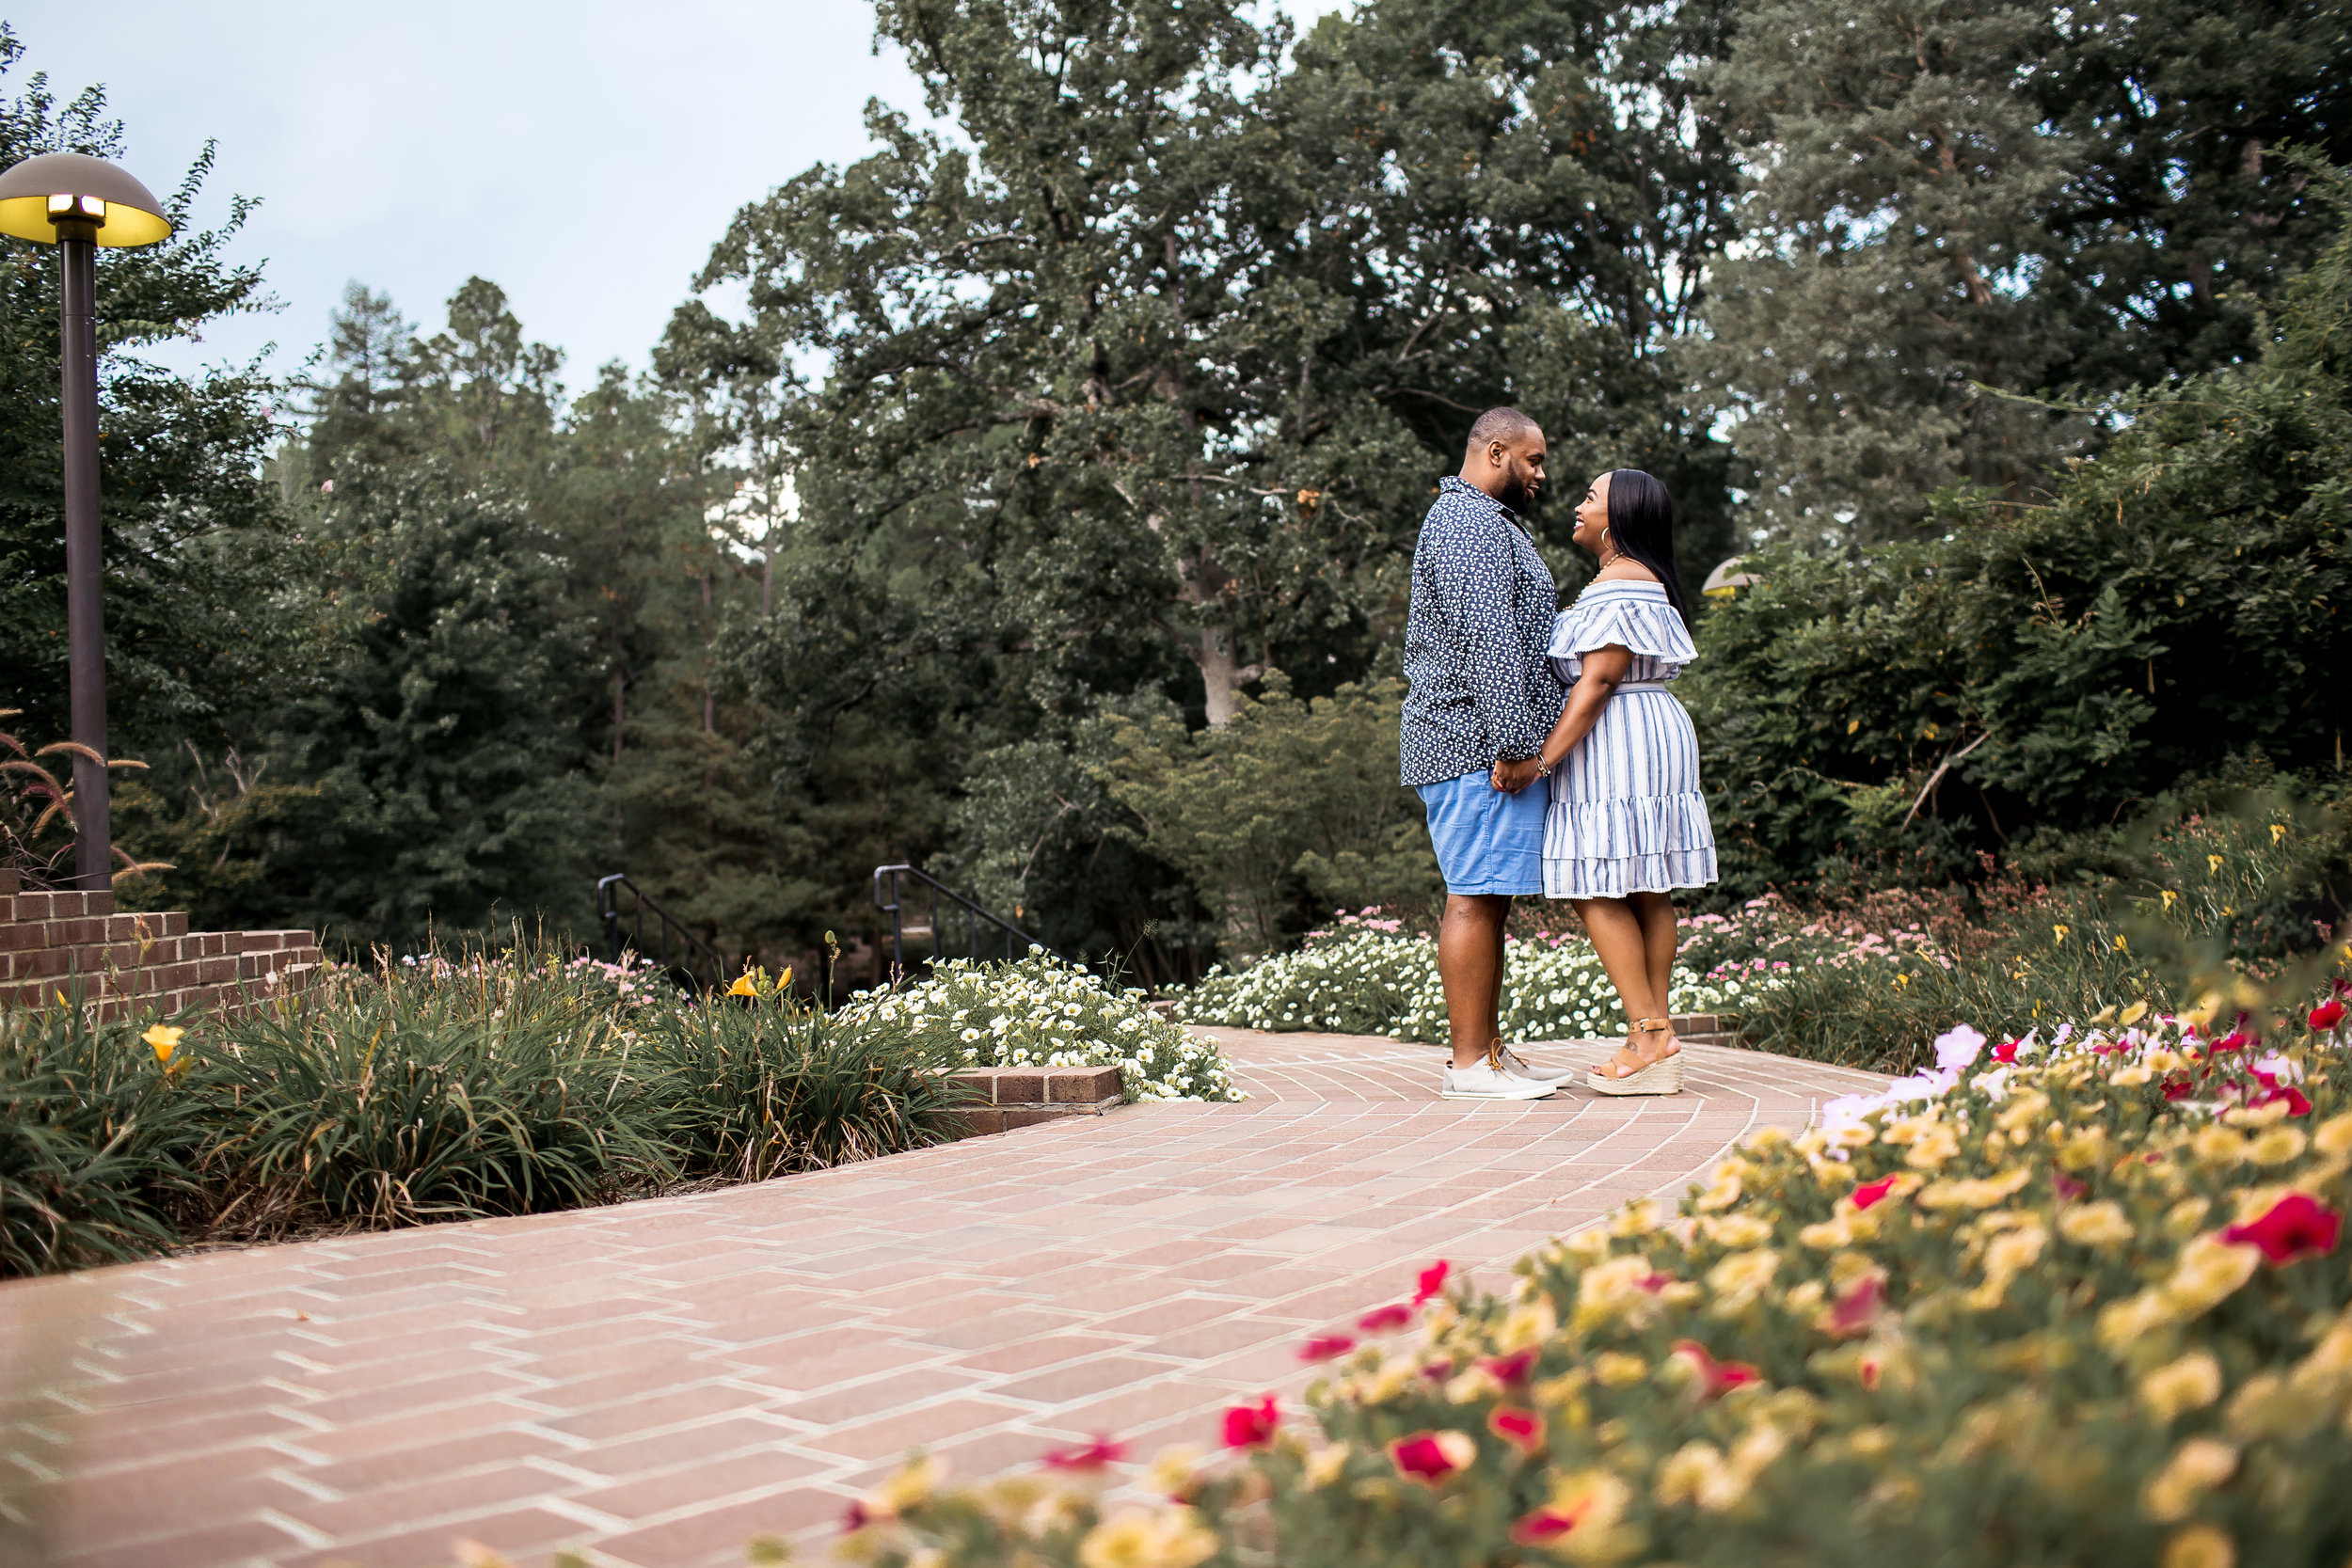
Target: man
1482 703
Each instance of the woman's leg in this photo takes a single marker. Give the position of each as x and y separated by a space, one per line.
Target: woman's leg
1656 912
1619 938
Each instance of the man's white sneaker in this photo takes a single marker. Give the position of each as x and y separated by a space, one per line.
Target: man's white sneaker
1483 1082
1520 1067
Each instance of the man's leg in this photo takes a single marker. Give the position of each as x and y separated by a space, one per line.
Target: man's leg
1470 965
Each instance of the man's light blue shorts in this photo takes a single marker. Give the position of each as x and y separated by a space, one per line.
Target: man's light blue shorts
1486 842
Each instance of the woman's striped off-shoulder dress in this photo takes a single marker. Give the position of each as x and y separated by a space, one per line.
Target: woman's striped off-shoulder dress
1626 814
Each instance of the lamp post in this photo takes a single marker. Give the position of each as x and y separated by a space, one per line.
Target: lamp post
78 203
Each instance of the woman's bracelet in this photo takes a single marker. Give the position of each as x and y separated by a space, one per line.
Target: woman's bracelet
1544 769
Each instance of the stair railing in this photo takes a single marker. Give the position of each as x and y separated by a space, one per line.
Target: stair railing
697 961
981 928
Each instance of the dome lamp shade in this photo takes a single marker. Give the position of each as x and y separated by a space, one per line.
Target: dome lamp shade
42 193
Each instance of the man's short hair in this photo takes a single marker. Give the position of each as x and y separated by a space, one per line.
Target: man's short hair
1500 424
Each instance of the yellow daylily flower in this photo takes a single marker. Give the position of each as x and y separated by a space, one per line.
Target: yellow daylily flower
743 987
164 1040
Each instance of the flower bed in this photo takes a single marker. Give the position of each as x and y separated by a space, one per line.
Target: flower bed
1042 1011
2078 1302
1366 977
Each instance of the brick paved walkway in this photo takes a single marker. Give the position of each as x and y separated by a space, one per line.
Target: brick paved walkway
654 1383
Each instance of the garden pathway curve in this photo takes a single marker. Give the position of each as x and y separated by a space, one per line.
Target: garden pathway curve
654 1383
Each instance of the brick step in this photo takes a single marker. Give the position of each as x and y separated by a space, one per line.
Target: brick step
76 945
1010 1097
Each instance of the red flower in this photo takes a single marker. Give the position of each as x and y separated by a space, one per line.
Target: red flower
2178 1088
1873 1191
2296 1226
2298 1104
1385 1320
1545 1526
1429 1457
1438 1371
1432 1280
1655 1282
1522 1429
1103 1450
853 1519
1251 1426
2067 1188
1514 1369
1716 1378
2234 1040
1325 1347
1851 1313
2328 1014
2005 1052
1869 1375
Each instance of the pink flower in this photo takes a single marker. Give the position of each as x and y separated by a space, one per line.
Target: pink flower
1103 1450
1251 1426
2007 1052
1429 1457
2296 1226
1545 1526
1853 1313
1432 1280
1871 1193
1522 1429
1514 1369
853 1519
1716 1378
1385 1320
1325 1347
2067 1188
2234 1041
2328 1014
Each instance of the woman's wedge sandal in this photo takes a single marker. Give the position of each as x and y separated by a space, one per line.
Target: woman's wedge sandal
1662 1076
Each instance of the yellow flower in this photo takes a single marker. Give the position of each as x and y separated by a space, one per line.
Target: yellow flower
164 1040
1741 1277
2209 1272
1690 1470
1595 1500
1736 1230
2212 865
2200 1547
2123 1323
2192 1382
743 986
1931 1148
1323 1466
1616 1370
2132 1014
2170 898
2217 1146
2196 1467
1167 1538
2278 832
1171 1471
2334 1138
911 1485
1976 1192
1637 1218
786 979
2120 945
1722 1195
2101 1224
2276 1145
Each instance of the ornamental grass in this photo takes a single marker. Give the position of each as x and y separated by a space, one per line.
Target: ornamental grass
2077 1297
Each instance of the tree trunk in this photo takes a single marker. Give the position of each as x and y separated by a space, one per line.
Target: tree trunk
1222 675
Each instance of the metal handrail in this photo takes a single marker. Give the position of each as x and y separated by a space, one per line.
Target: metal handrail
1017 941
708 975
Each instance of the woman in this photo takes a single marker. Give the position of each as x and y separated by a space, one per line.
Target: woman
1627 824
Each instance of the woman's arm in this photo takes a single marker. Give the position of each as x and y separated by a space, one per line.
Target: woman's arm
1597 678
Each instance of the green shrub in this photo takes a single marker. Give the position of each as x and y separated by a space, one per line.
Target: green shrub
95 1132
434 1091
2082 1306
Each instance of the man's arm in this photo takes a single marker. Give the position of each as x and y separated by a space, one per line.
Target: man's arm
1475 588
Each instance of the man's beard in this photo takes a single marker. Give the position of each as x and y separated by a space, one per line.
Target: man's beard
1516 495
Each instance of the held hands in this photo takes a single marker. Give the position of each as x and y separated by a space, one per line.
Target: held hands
1513 774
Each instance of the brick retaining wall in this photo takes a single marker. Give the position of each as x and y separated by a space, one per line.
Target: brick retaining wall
1012 1097
75 946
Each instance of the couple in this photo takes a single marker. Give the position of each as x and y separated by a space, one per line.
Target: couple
1549 752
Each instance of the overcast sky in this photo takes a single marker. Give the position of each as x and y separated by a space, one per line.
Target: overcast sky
584 156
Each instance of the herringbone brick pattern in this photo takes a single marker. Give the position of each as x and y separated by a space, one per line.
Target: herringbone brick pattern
654 1383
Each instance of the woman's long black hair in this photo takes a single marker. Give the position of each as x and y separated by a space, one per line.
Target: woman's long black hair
1642 526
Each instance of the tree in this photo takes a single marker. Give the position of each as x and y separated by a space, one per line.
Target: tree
1996 194
2037 671
195 639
